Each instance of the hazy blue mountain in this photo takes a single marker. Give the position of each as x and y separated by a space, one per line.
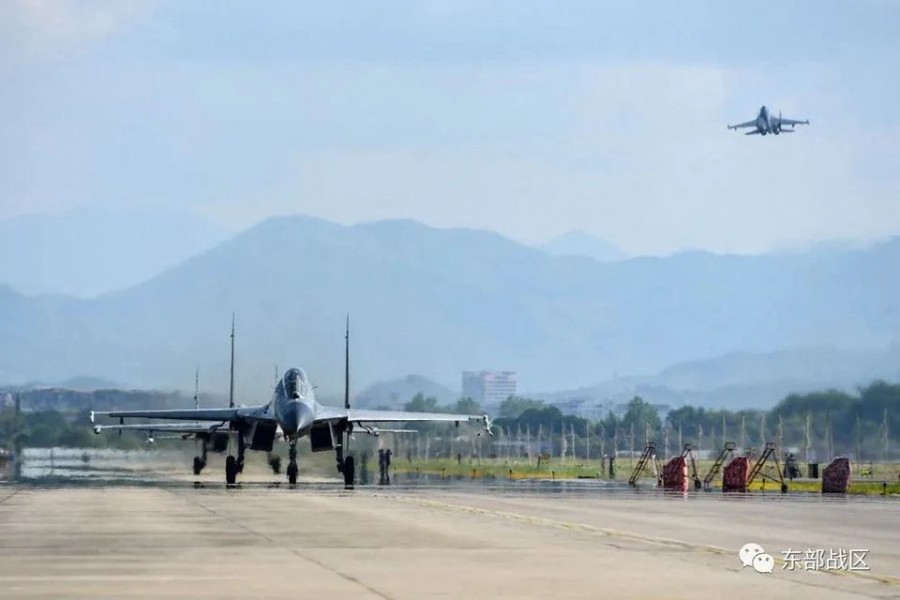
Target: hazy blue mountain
397 392
90 251
581 243
437 302
743 379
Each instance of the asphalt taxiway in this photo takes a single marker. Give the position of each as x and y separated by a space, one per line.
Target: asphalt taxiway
456 540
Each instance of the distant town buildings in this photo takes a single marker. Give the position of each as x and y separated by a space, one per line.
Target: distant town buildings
488 387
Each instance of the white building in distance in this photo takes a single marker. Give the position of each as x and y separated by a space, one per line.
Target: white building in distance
488 387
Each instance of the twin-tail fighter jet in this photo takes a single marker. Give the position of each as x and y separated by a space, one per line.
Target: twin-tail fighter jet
765 123
292 413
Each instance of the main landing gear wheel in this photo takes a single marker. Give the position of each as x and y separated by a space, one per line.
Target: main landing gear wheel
349 471
231 470
275 463
198 465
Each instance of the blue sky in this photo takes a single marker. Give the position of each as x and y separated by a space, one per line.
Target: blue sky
529 118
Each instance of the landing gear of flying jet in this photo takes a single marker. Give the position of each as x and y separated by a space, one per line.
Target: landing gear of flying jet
293 470
231 470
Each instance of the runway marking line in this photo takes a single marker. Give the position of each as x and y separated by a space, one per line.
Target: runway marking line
511 516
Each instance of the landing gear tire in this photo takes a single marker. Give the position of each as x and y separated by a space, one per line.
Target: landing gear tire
349 470
198 465
231 470
292 471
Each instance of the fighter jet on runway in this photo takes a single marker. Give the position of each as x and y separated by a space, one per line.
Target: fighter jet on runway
292 412
765 123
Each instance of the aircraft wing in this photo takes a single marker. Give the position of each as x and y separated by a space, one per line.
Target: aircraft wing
741 125
255 413
185 428
356 415
793 122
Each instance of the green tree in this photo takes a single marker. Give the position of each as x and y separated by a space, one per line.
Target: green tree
640 413
420 403
465 406
514 406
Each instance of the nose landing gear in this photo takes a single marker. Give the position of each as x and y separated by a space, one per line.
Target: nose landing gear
293 470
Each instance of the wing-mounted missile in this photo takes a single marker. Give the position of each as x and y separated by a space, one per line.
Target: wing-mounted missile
487 423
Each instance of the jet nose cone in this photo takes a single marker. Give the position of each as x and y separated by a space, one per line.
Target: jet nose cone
299 418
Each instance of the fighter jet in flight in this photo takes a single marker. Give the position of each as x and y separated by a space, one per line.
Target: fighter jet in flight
292 413
766 123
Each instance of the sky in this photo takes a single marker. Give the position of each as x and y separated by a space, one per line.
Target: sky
529 118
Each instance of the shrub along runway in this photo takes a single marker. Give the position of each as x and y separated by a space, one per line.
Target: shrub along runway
515 540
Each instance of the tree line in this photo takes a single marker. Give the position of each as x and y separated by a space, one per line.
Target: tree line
819 424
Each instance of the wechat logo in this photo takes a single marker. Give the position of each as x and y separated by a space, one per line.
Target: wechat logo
753 555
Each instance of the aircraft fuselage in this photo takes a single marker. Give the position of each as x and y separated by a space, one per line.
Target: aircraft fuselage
294 404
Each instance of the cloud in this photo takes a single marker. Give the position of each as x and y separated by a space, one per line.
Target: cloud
54 29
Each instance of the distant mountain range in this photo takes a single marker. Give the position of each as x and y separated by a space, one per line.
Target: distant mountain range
581 243
395 393
740 380
91 251
438 301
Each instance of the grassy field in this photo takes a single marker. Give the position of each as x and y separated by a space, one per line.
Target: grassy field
486 468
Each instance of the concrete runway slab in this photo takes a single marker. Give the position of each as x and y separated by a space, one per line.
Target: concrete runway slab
416 542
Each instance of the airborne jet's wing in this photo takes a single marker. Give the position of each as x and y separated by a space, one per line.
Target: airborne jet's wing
792 122
740 125
354 415
255 413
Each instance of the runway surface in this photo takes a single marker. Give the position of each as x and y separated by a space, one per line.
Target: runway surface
510 540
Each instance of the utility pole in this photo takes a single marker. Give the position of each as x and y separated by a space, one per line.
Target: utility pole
828 435
724 431
699 439
858 442
631 442
587 442
666 440
884 427
806 437
572 435
528 441
743 431
762 430
231 385
680 445
780 434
